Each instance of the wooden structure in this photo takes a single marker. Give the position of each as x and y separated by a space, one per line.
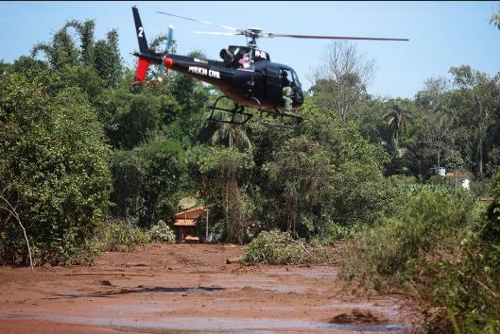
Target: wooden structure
187 223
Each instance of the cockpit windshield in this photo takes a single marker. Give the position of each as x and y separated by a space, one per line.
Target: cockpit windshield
296 79
288 75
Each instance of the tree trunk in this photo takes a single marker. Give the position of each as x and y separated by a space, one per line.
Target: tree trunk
235 220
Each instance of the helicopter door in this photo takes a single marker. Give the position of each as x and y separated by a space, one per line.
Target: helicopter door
274 91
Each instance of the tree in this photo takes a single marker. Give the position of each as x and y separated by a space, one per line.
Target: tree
340 83
27 66
436 95
53 166
480 96
147 179
61 52
221 168
317 180
86 32
135 121
438 135
300 170
103 55
5 205
396 119
4 67
439 126
107 60
232 137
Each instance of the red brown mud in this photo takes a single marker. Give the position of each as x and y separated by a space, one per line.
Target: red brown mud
193 288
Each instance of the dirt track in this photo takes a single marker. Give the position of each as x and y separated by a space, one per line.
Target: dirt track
192 288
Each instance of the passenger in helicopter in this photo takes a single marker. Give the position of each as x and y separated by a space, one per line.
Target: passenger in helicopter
287 91
245 60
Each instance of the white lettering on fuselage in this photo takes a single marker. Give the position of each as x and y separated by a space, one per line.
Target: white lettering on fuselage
204 71
260 54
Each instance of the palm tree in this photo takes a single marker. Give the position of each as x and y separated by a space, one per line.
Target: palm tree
234 137
396 119
224 133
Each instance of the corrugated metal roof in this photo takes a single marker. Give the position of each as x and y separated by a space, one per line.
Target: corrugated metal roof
191 213
185 222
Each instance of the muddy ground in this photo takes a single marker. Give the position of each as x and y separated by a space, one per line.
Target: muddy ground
193 288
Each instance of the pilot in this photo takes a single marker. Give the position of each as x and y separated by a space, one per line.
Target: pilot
287 91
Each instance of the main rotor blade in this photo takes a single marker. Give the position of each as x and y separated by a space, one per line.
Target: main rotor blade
200 21
336 37
215 33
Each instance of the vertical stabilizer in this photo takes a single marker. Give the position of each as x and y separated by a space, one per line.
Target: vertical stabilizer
139 29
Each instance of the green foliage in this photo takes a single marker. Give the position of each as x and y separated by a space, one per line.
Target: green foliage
220 169
53 166
389 254
113 234
102 55
320 181
326 175
275 247
107 59
146 179
225 162
491 229
470 290
161 232
433 249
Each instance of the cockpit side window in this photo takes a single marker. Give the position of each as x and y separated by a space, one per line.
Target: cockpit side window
296 79
286 78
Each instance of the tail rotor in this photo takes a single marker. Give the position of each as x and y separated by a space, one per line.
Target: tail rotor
168 47
148 56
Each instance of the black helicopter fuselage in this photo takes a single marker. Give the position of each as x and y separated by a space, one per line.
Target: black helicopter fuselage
259 86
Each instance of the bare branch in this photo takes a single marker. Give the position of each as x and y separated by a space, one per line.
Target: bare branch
12 212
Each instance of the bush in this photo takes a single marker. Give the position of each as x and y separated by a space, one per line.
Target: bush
435 250
161 232
276 247
53 168
429 226
115 234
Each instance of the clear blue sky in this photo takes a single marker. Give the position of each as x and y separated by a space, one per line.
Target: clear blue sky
442 34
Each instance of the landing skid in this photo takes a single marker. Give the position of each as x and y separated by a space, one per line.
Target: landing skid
281 119
237 115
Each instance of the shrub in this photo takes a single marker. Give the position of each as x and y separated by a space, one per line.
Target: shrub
429 225
436 249
161 232
116 233
53 168
276 247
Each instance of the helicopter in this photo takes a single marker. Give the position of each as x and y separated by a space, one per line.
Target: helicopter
245 74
